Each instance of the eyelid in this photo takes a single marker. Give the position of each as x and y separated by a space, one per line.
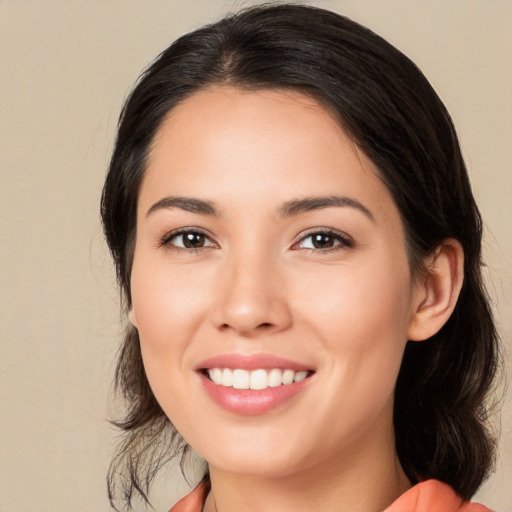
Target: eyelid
165 240
345 240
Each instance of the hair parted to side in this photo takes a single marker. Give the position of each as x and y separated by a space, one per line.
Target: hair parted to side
392 113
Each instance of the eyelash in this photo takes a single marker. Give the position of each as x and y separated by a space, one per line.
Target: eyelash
166 240
345 242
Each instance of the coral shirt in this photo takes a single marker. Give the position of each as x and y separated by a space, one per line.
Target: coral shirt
427 496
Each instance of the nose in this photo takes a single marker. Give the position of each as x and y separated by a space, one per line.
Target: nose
252 298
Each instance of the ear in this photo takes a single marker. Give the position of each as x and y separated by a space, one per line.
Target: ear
131 316
435 295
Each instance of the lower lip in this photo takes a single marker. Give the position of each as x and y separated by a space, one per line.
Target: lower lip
252 402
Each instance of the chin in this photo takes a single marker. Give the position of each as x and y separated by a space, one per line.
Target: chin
258 467
257 457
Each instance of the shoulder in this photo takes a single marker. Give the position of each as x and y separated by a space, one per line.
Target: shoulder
193 501
433 496
428 496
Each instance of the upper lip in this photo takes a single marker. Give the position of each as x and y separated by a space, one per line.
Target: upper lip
252 362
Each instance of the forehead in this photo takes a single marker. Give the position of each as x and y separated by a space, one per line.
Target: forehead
258 147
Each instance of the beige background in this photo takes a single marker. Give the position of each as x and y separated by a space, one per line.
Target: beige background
65 67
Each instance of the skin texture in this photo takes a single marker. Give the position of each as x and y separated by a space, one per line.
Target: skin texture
258 285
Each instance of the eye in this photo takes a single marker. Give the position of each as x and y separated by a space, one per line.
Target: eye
324 240
188 239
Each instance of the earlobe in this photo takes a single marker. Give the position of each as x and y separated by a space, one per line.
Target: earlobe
131 317
435 297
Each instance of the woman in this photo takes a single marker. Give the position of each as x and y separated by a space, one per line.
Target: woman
298 249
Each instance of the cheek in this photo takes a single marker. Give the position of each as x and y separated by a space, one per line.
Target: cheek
362 324
167 301
359 302
166 313
170 305
163 310
361 316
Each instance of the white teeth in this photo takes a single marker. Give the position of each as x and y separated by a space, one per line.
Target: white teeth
300 376
227 377
256 379
216 375
259 379
241 379
275 378
288 376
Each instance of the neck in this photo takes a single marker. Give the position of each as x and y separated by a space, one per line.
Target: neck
366 479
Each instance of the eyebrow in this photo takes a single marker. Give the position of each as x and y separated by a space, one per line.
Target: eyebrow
288 209
316 203
188 204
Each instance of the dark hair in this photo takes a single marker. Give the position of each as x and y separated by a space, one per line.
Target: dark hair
392 113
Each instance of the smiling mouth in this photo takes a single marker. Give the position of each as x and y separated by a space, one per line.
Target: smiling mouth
256 379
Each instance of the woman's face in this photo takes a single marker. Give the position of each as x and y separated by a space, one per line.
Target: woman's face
266 242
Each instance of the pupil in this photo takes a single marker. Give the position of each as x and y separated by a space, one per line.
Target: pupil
192 240
321 241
